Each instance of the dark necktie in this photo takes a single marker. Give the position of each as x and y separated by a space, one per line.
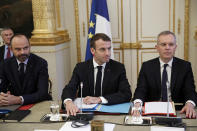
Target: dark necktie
98 81
8 53
163 85
21 72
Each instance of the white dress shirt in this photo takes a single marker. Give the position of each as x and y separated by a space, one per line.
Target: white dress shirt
5 52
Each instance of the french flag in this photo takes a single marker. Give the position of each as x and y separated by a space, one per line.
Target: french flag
98 23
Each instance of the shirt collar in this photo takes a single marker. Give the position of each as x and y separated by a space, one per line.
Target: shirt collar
162 63
96 64
6 46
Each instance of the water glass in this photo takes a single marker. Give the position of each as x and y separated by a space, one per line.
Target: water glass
54 108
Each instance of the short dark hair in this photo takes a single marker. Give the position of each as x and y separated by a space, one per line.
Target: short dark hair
96 37
18 35
166 33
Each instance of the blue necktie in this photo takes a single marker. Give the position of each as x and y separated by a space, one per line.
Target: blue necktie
163 85
98 81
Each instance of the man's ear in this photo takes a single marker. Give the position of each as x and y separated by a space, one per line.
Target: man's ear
92 51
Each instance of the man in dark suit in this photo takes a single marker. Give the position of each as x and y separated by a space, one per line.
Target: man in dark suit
24 77
178 73
5 51
113 88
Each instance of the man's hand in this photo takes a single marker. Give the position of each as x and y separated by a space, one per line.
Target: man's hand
8 99
12 100
71 108
92 100
3 100
189 110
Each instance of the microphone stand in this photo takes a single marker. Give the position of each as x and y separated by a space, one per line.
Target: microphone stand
81 119
81 85
168 86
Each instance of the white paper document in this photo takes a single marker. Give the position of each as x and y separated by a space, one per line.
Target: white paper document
77 102
67 127
160 128
44 130
159 108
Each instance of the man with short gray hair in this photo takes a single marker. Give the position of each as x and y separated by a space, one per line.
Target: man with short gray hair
5 51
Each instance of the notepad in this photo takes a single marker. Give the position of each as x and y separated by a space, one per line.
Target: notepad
16 115
159 108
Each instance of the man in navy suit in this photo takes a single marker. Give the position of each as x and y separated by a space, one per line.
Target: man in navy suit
5 51
179 75
114 87
24 77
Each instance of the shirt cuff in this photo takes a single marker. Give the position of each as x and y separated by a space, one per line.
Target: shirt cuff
22 100
190 101
68 99
103 100
138 100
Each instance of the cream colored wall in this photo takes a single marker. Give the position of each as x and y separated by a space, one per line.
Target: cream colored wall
68 14
193 42
58 58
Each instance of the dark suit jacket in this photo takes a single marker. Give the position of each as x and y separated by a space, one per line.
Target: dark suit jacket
35 85
182 82
2 50
115 86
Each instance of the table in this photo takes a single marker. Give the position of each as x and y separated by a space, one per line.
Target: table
32 121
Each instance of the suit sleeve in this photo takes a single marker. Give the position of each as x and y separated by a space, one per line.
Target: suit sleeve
141 90
41 92
4 83
123 93
189 87
70 90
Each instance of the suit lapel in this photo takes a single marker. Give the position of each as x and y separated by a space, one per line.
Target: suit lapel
106 77
15 73
27 72
174 74
158 74
91 77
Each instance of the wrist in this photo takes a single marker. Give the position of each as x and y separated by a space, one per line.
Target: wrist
99 100
19 100
68 102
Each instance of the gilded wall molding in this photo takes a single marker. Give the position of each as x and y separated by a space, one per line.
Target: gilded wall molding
57 4
186 29
195 36
77 31
174 6
44 18
62 36
122 45
130 46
